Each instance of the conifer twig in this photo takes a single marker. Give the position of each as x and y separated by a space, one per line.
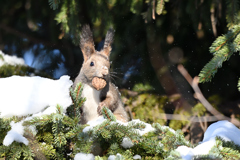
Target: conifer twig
194 84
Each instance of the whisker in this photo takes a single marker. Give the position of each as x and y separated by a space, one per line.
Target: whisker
114 76
116 73
113 79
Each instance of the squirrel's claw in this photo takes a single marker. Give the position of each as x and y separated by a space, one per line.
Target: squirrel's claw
100 106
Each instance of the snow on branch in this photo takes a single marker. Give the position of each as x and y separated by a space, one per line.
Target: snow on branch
21 96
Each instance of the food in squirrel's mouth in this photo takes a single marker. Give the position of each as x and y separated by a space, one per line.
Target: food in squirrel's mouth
98 83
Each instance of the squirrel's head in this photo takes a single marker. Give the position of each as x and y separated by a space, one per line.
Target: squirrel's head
96 63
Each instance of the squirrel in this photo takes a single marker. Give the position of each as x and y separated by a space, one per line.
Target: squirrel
96 64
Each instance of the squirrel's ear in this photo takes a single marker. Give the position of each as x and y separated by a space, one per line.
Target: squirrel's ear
86 42
108 41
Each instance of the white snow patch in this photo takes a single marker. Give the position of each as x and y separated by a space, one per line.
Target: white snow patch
147 129
127 143
170 129
185 152
21 96
137 157
84 156
113 157
12 60
223 129
93 123
15 134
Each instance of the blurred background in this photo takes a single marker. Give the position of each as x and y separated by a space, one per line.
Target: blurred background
152 37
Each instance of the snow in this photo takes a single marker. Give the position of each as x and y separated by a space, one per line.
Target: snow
223 129
127 143
94 123
147 129
15 134
168 128
137 157
113 157
21 96
12 60
81 156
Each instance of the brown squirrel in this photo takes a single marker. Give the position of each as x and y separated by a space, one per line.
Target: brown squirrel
96 64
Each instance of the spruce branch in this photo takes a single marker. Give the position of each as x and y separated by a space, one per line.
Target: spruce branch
222 49
225 149
160 6
232 13
62 17
107 114
77 99
54 4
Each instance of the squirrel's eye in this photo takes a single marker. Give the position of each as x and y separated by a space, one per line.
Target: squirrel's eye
92 64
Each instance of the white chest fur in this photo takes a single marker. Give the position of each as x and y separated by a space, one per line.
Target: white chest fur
91 104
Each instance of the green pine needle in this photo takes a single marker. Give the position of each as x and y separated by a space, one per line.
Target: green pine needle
107 114
54 4
77 99
222 49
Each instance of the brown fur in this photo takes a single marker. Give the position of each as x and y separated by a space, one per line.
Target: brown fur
109 96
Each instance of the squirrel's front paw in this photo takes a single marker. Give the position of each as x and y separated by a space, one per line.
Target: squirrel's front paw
100 106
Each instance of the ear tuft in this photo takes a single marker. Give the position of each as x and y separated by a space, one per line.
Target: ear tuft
86 42
108 41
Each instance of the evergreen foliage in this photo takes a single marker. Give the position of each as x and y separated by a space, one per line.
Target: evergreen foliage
233 13
54 4
8 70
222 49
70 24
60 136
77 101
226 45
54 133
223 150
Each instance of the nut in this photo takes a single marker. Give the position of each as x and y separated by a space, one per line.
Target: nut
98 83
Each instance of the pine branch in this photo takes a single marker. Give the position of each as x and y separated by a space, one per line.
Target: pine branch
62 17
222 49
232 13
75 131
54 4
77 99
160 6
107 114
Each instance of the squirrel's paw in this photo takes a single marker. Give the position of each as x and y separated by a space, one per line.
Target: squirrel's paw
100 106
